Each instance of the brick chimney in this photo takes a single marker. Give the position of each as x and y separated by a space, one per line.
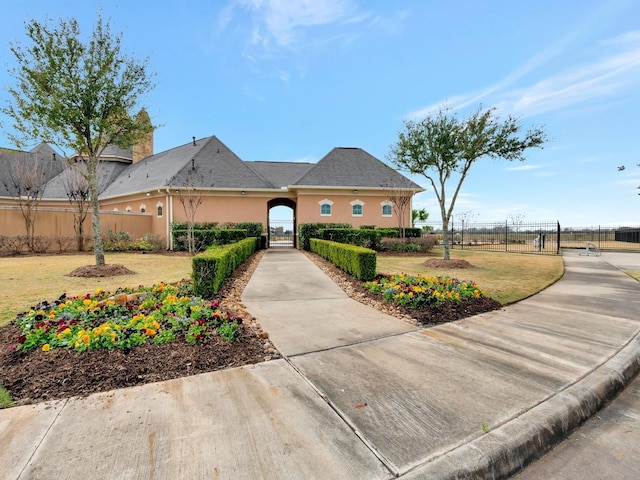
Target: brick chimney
144 147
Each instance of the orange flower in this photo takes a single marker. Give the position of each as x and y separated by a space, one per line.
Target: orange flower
149 331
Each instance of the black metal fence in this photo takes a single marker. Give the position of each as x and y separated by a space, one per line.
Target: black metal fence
281 234
535 237
622 237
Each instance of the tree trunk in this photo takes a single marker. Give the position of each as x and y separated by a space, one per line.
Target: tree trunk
445 237
98 246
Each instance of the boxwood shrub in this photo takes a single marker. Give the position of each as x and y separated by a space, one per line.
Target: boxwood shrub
307 231
213 266
358 261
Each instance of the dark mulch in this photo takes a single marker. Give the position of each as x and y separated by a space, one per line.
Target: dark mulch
38 376
108 270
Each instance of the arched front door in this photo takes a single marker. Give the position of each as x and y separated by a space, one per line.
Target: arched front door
281 223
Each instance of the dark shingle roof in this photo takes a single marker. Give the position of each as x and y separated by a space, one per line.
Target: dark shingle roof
353 167
107 173
9 159
281 174
209 163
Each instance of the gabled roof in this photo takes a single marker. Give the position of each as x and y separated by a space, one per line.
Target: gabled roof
107 172
205 163
209 163
353 168
52 164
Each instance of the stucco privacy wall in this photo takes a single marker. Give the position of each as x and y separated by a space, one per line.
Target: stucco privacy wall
58 222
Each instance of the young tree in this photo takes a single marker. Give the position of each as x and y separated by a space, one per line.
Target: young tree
26 181
78 96
77 190
400 193
442 145
190 198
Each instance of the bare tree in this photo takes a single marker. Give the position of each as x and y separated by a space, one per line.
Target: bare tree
25 182
400 196
76 187
190 198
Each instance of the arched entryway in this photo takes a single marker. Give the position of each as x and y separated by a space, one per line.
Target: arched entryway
281 223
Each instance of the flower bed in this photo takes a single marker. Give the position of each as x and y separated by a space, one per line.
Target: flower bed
423 290
124 319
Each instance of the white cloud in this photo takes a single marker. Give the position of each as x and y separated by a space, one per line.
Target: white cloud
612 74
283 22
523 167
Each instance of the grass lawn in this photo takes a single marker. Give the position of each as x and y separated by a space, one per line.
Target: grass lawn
505 277
25 281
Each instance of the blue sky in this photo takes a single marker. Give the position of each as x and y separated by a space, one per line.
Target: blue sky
289 80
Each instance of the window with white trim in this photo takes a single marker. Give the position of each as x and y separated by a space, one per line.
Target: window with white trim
326 207
159 208
387 208
143 208
357 208
128 209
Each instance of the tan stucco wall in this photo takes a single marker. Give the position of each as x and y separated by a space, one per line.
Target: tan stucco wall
59 222
341 209
221 207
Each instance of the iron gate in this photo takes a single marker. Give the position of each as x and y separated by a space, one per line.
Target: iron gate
281 234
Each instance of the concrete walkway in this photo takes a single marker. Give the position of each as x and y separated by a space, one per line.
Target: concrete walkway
358 394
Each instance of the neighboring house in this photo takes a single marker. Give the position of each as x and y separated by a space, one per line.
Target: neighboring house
145 194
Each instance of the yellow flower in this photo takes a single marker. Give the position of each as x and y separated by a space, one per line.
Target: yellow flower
86 302
46 347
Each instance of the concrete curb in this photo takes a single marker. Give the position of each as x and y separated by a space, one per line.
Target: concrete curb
509 448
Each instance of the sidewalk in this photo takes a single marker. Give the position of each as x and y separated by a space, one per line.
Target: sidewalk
358 394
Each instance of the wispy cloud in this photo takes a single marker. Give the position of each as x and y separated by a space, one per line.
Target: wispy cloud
615 73
284 23
521 168
611 74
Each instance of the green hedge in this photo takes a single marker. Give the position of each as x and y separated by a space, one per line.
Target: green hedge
394 232
212 267
360 237
206 238
358 261
307 231
213 233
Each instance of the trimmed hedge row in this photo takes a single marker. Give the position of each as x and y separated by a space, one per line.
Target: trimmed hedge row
213 266
213 233
205 238
367 238
307 231
358 261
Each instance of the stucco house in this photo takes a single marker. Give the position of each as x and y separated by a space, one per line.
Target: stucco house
142 192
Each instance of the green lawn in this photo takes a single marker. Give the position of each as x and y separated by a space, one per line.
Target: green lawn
505 277
25 281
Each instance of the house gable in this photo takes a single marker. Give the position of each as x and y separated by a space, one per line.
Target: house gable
353 168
